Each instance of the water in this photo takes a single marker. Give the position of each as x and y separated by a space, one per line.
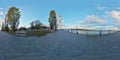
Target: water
91 32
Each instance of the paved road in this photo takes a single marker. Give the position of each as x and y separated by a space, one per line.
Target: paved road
59 44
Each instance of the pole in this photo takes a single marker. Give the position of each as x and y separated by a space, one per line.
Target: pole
100 32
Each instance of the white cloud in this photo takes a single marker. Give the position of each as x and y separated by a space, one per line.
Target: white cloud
1 13
1 8
1 20
95 19
91 20
115 15
101 7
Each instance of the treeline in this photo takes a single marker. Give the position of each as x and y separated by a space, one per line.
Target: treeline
37 25
12 17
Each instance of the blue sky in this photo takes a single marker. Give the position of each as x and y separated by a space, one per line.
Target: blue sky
73 11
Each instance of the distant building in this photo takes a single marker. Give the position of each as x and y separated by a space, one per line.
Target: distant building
59 22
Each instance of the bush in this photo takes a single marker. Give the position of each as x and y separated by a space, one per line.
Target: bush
23 28
35 27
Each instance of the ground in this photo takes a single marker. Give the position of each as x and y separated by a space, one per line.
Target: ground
59 45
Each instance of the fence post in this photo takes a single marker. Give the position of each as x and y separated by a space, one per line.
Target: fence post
87 33
108 32
77 31
100 32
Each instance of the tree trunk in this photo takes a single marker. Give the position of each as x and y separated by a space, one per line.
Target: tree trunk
13 27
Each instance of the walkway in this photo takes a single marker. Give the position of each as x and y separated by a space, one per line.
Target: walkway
59 44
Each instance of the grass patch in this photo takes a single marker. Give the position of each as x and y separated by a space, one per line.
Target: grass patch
37 33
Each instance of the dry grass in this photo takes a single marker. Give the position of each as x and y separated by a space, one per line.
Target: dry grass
37 33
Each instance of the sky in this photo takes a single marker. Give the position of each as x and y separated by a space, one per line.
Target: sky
84 13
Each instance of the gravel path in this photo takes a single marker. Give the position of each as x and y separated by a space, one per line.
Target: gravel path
59 44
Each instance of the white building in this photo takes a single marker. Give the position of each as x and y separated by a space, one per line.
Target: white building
59 22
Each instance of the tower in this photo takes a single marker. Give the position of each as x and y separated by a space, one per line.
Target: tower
59 22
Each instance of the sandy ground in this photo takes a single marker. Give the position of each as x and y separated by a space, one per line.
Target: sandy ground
60 45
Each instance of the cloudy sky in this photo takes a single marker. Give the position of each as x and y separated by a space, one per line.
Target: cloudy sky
74 12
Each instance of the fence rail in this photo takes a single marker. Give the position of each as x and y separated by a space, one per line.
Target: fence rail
91 32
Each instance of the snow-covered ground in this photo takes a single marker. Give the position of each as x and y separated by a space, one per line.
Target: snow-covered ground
59 45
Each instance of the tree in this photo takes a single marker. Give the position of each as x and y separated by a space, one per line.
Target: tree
32 23
35 24
5 27
52 20
12 18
